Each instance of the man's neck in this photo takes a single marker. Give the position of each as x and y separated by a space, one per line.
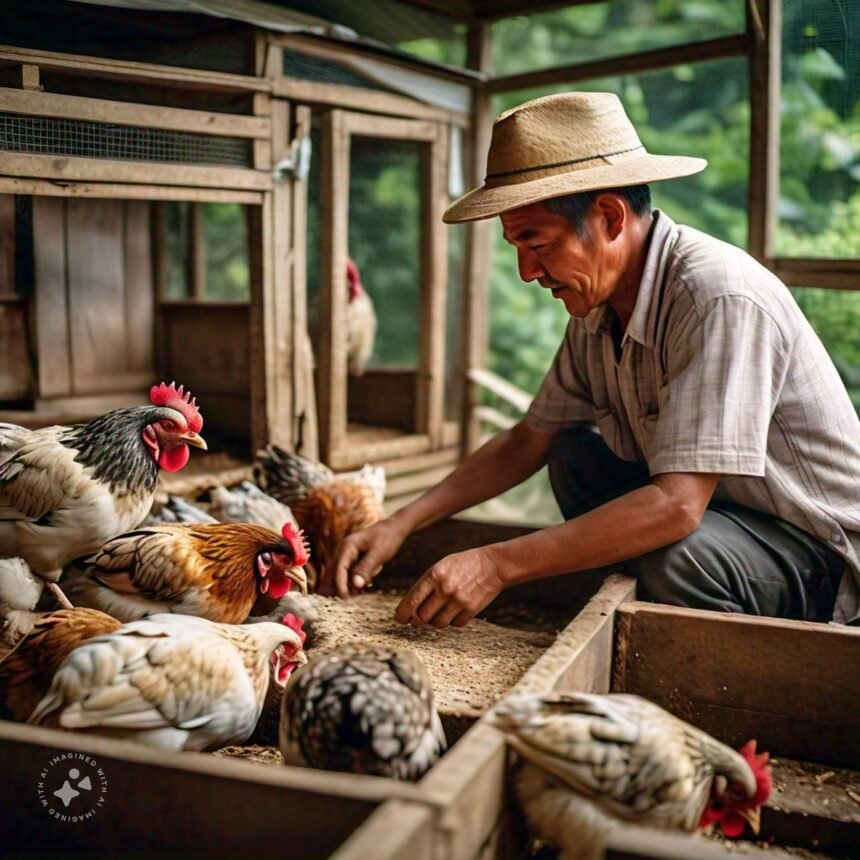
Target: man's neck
624 297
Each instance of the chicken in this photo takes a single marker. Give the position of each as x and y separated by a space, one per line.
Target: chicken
362 708
213 571
328 507
247 503
172 682
360 323
64 491
178 510
19 589
592 762
26 673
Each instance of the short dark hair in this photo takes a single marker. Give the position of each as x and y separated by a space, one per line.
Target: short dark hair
575 207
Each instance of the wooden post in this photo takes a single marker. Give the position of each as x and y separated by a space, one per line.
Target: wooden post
478 242
7 244
30 77
195 260
764 25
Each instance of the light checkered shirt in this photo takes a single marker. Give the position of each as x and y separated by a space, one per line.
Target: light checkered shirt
719 372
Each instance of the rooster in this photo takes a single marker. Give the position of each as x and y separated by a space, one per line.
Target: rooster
213 571
593 761
26 673
172 682
360 323
362 708
328 507
64 491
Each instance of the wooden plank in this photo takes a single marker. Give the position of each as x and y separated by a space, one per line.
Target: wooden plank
222 802
479 238
430 406
141 172
764 27
107 190
280 300
829 274
785 683
334 231
7 244
405 465
645 61
494 417
15 372
30 78
391 127
354 454
126 113
51 303
641 843
397 830
501 388
306 429
374 101
139 288
96 297
146 73
195 260
467 785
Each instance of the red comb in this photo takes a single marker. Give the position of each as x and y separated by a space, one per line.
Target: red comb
760 765
296 539
295 624
180 400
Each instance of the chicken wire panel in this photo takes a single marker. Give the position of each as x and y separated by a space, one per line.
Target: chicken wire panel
819 202
307 68
385 241
596 31
50 136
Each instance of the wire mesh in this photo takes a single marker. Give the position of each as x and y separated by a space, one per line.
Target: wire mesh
47 135
306 68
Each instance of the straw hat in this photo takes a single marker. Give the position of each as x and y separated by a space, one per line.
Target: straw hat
560 145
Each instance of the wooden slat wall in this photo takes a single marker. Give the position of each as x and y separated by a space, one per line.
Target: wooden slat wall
94 305
15 381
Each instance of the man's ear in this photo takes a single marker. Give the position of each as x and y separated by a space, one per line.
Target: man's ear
612 214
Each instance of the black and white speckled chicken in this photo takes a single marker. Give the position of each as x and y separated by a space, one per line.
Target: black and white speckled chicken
64 491
178 510
362 708
247 503
592 763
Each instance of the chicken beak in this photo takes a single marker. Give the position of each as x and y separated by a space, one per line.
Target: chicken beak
752 817
299 577
196 440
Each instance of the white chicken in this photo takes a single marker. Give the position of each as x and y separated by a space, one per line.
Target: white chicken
361 323
592 762
171 681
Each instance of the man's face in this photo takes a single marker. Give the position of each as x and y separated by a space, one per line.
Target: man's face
582 271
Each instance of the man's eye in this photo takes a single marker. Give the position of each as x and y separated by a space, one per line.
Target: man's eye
537 248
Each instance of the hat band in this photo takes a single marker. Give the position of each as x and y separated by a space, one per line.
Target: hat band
560 163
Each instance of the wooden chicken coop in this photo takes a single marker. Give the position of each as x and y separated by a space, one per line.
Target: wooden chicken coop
180 194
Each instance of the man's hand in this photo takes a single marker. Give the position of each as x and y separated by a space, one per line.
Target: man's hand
361 557
453 591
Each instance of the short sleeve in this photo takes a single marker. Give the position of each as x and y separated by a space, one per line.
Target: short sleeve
564 397
725 370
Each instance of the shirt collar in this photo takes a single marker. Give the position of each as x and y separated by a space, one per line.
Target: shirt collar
643 321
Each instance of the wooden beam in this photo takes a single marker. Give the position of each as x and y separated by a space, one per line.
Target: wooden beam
353 454
776 690
195 248
479 241
397 830
127 113
764 28
501 388
390 128
494 10
372 101
144 73
65 167
645 61
107 190
334 230
430 403
828 274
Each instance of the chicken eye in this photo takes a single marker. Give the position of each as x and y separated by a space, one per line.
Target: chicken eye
168 425
266 557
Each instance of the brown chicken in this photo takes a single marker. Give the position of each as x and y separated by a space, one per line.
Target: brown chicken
328 507
212 571
26 673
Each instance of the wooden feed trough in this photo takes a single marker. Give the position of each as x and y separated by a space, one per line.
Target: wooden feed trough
788 684
193 803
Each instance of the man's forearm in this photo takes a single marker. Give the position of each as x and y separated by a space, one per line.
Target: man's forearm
640 521
503 462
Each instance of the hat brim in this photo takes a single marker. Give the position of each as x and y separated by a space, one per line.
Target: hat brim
487 202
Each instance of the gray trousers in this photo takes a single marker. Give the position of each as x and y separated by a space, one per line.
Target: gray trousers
737 560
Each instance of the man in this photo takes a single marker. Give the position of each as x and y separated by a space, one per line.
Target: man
726 471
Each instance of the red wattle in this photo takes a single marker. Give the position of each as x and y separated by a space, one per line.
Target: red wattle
174 459
279 587
732 825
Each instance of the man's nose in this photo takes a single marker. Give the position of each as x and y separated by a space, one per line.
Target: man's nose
529 265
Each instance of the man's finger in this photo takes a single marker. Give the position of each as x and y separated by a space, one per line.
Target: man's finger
446 616
413 599
348 554
463 618
427 611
